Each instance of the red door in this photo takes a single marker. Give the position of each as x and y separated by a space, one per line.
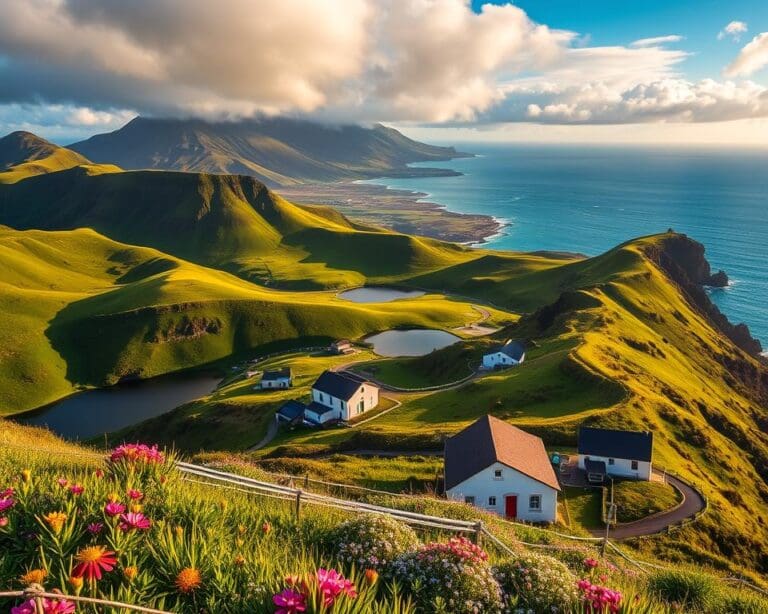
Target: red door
511 506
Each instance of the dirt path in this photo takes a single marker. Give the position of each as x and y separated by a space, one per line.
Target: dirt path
692 504
268 437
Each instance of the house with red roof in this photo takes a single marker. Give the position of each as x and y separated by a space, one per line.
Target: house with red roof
502 469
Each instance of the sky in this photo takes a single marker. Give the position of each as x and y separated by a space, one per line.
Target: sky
682 72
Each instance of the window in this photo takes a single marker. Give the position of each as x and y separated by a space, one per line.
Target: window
470 500
492 501
611 461
534 503
497 474
634 465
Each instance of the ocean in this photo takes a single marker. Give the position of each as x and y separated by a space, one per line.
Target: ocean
588 199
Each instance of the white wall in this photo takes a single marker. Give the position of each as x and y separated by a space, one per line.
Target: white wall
276 383
490 361
484 484
367 393
621 467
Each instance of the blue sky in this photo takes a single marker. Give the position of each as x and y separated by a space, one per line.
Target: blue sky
539 70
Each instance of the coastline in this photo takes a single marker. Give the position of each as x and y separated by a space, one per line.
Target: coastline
404 211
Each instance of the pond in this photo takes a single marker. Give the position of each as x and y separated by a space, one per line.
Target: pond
95 412
378 294
417 342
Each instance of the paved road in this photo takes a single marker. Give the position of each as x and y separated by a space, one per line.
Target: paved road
692 504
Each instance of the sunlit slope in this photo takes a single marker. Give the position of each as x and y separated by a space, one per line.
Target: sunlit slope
226 221
23 154
78 309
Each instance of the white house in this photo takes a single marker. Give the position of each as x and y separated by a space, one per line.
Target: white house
508 355
281 378
338 396
626 454
342 346
499 468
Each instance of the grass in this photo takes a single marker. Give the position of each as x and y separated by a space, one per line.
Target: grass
584 507
636 500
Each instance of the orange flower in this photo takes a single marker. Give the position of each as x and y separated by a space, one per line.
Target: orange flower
179 531
188 580
33 576
241 529
55 520
239 560
91 562
239 542
76 582
136 508
130 573
266 528
26 476
371 576
113 497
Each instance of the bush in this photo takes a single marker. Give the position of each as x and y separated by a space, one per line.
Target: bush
449 577
691 591
371 541
537 582
744 602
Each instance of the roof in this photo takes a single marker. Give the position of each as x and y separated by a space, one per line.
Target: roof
338 385
633 445
318 408
283 373
593 466
490 440
292 409
514 349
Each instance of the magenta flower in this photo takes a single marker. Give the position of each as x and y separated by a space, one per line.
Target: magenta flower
76 489
137 453
591 563
132 521
95 528
50 606
113 508
331 584
99 473
135 495
6 504
8 492
287 602
63 482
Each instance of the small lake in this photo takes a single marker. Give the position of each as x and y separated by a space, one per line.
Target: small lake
378 295
418 342
95 412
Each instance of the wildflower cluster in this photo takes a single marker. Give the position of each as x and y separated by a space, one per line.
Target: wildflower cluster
537 582
371 541
320 592
50 606
456 572
599 599
137 453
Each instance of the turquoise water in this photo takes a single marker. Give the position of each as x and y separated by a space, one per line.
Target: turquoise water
589 199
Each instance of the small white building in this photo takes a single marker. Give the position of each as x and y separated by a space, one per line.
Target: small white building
342 346
280 378
607 452
510 354
338 396
502 469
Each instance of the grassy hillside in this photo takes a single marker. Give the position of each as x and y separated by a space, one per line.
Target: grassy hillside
275 150
23 154
78 309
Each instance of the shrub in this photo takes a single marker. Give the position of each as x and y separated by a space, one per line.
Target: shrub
537 582
452 577
690 590
371 541
744 602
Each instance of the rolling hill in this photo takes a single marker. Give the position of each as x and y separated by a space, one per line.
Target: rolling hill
275 150
23 154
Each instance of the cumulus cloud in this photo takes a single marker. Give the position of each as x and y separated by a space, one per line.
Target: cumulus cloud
753 57
421 61
733 30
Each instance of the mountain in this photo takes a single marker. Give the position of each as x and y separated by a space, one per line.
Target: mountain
275 150
231 222
23 154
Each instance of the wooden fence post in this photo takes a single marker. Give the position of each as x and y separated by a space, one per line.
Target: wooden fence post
306 481
298 505
477 535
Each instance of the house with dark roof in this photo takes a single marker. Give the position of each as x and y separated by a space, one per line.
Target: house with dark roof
340 396
615 453
510 354
291 412
279 378
500 468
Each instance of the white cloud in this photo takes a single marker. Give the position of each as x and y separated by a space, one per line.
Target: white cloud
60 123
656 41
734 30
753 57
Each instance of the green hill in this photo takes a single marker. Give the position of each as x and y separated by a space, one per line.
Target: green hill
227 221
23 154
275 150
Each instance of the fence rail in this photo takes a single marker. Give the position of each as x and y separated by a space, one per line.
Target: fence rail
36 593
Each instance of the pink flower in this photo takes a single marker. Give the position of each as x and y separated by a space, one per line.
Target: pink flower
95 528
50 606
135 495
134 521
8 492
63 482
331 584
287 602
6 504
113 508
590 563
3 521
76 489
137 453
99 473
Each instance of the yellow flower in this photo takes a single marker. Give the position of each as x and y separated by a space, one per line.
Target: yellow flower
179 531
223 504
76 582
130 573
26 476
113 497
136 508
55 521
239 560
33 576
188 580
239 542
